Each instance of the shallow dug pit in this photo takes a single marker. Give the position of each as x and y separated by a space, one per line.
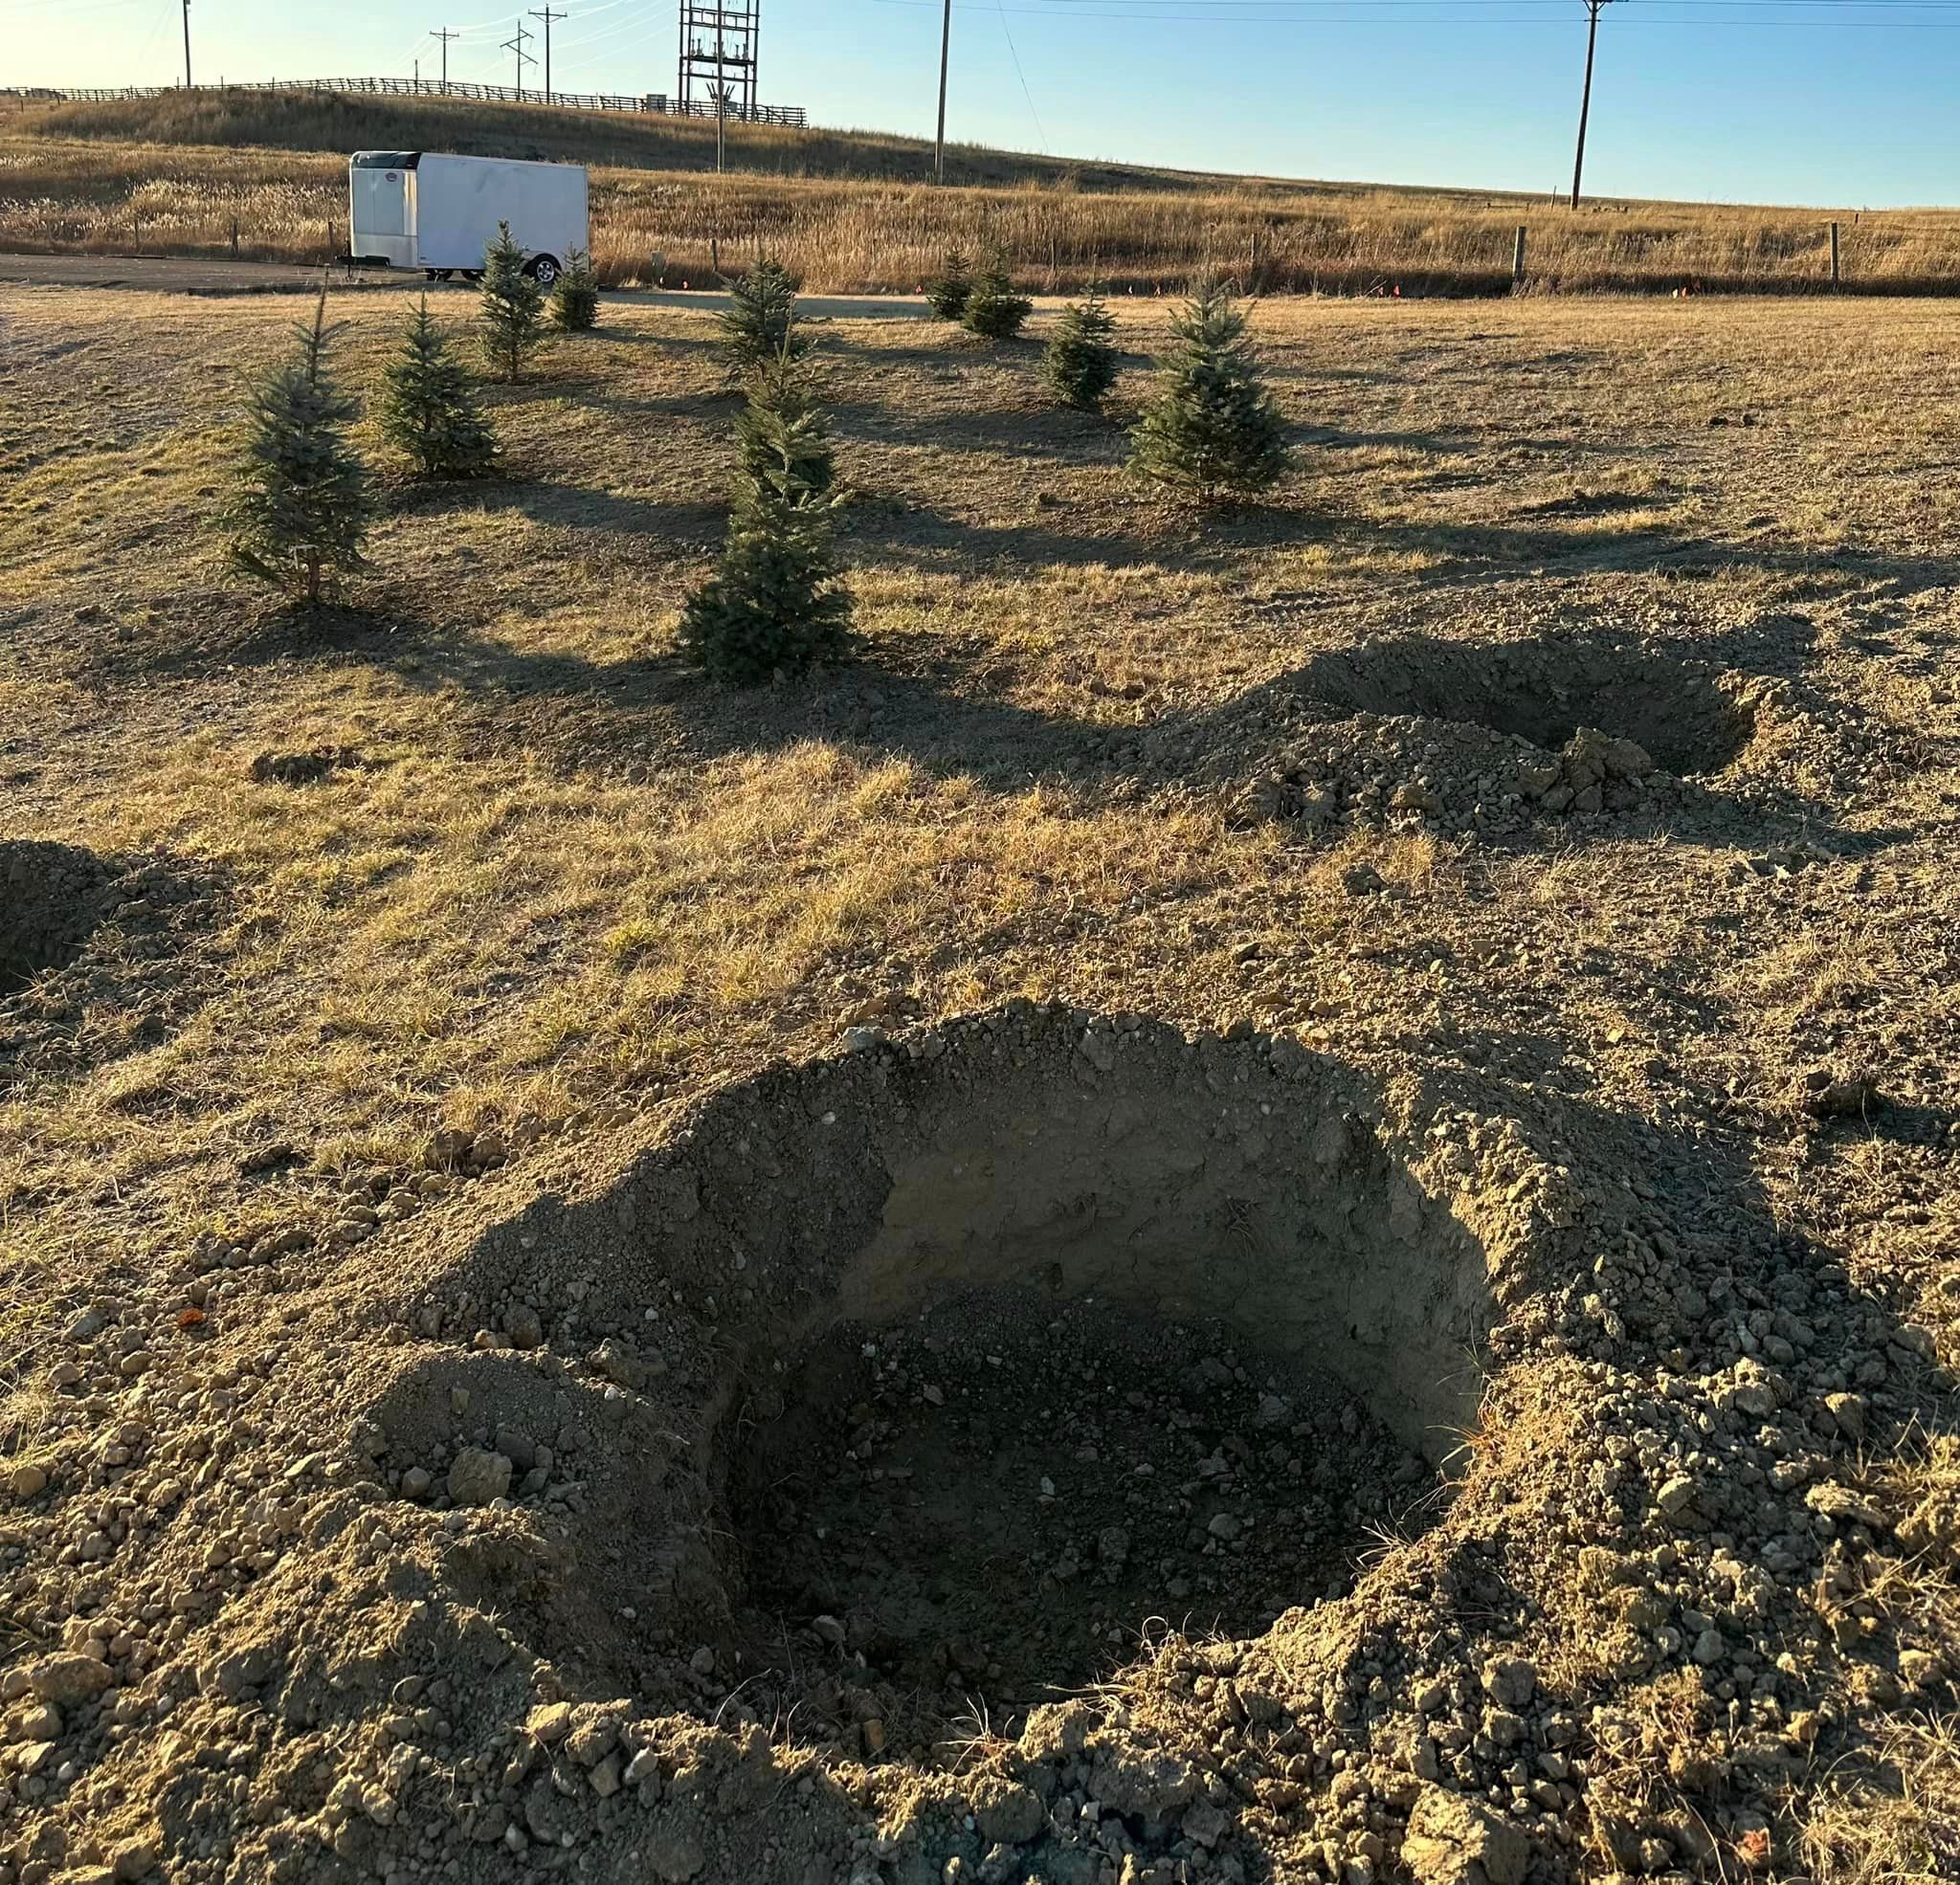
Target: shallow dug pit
1544 692
935 1378
996 1503
51 899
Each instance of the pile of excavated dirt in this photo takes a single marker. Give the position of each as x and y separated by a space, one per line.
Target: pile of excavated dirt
52 897
95 954
831 1491
1493 740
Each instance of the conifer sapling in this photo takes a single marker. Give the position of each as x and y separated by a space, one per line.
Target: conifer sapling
429 408
1212 429
303 497
513 310
782 432
774 605
760 324
575 299
1080 362
993 307
946 293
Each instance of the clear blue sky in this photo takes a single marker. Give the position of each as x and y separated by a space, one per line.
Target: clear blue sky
1821 102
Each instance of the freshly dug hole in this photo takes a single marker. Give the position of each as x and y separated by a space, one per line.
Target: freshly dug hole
995 1503
1543 692
51 897
1204 1259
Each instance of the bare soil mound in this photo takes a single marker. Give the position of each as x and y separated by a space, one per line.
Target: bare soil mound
1544 693
52 897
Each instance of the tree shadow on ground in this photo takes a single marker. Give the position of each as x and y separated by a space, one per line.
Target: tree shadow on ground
637 718
1055 432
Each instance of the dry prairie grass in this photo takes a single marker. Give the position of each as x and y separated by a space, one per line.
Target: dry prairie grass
560 870
264 177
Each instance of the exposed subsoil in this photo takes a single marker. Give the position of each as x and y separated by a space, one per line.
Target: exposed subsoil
998 1504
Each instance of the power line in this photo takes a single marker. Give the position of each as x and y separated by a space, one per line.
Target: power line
1593 8
545 15
524 59
1387 13
946 47
443 34
1040 133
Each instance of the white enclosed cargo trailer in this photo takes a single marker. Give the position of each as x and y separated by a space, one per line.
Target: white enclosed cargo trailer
419 209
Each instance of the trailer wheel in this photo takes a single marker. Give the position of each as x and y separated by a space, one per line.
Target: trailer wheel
473 275
543 269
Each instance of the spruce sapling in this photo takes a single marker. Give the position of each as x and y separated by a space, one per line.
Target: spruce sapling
429 408
513 308
774 605
303 497
760 324
575 299
1212 429
992 308
948 291
783 430
1080 363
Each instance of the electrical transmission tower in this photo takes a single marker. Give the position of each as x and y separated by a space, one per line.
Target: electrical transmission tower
1593 8
717 55
524 59
443 34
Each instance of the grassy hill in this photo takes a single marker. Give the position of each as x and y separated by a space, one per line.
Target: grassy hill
262 174
344 122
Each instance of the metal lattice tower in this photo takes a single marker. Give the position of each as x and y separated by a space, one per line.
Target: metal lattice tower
717 55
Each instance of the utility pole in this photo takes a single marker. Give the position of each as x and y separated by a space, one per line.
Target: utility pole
1593 8
545 15
186 45
946 47
443 34
524 59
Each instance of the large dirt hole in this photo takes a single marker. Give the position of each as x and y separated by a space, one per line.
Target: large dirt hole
995 1503
916 1386
51 897
1543 692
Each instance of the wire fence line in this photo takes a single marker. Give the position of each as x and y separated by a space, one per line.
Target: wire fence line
429 88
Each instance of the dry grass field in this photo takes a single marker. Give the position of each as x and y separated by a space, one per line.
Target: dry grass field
1685 1048
265 175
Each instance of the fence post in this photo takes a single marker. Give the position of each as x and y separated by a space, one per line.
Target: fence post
1518 260
1833 254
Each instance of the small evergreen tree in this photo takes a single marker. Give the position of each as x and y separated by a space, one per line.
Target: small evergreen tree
783 430
303 499
773 604
948 291
513 308
575 299
1212 429
1080 363
760 324
993 307
429 408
